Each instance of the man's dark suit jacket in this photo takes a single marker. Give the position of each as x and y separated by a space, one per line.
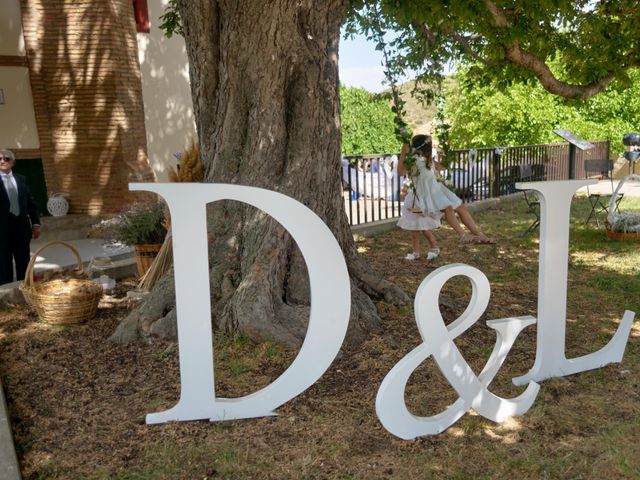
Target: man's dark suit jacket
16 236
28 209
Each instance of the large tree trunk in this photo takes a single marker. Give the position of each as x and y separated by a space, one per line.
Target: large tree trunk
264 79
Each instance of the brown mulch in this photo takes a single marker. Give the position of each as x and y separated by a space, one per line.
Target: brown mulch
78 402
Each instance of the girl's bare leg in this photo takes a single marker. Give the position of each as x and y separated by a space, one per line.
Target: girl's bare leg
433 251
431 238
450 217
467 219
415 241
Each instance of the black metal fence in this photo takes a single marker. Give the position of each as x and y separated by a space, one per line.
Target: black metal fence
372 186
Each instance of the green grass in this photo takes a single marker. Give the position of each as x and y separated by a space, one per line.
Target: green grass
623 451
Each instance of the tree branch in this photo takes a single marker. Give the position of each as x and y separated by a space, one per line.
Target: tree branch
499 18
461 40
515 55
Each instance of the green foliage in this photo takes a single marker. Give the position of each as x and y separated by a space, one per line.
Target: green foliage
171 23
594 42
142 223
367 123
443 130
482 116
522 114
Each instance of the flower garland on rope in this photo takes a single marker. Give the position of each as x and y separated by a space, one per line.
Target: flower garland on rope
402 130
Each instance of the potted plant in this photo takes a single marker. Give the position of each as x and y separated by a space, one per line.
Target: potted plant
143 226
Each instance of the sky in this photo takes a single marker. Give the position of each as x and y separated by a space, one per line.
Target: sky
360 64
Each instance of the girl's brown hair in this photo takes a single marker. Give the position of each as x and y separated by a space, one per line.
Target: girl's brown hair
422 144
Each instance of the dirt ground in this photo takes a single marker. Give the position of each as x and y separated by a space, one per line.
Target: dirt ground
77 402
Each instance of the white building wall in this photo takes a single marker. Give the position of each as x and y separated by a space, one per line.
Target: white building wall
168 109
11 38
17 118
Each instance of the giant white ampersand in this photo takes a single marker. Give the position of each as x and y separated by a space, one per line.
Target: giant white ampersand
437 341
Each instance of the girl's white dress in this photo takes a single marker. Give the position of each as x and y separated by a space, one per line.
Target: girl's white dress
415 221
433 196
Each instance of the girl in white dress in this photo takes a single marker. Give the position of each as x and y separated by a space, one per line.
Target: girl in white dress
435 199
417 223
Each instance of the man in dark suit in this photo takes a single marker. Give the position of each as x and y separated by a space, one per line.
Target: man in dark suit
19 220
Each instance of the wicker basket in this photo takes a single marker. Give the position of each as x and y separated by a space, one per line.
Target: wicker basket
612 234
62 301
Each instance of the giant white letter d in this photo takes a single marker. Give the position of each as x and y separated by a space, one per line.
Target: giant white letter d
330 300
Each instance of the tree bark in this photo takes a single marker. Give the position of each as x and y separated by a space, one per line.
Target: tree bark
264 80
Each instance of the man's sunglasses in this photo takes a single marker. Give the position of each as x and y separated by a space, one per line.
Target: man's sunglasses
6 159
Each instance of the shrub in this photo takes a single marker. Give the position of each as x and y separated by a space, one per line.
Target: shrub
367 123
141 223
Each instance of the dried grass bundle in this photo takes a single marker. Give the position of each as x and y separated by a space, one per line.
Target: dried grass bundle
189 170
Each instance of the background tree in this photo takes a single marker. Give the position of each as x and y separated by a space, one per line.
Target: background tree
264 82
521 114
367 123
594 42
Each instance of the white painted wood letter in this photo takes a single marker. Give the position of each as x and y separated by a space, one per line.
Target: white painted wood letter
330 300
555 203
